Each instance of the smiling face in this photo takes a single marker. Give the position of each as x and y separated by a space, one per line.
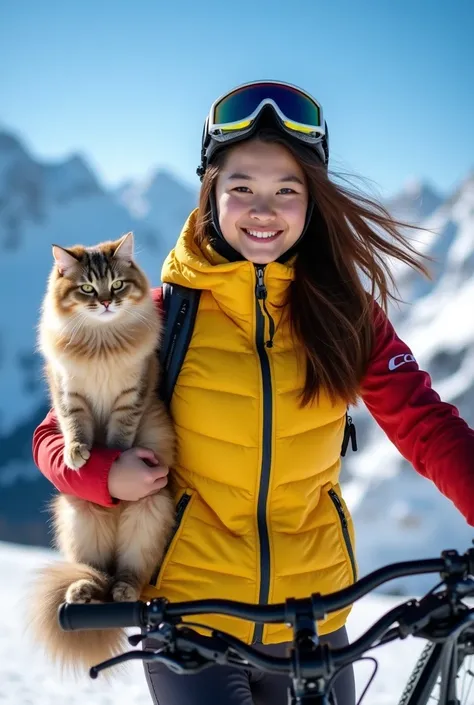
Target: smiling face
262 199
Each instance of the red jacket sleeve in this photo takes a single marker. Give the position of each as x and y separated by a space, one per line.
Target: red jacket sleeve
427 431
91 481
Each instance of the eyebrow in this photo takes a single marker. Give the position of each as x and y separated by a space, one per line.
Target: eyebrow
292 178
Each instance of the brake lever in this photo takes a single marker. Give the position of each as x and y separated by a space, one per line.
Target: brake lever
431 617
189 662
135 639
216 651
418 614
180 662
121 658
182 650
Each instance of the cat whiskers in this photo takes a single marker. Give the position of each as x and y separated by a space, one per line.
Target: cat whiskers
78 323
140 317
68 323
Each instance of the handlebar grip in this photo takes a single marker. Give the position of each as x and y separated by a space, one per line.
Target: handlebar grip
112 615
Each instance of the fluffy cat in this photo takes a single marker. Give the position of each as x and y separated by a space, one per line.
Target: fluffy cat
98 332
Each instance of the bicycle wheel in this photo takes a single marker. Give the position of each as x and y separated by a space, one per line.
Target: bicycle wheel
424 685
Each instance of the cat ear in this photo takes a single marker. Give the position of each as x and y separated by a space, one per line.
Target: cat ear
65 260
124 251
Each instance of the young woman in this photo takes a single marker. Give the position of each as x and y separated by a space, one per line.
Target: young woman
286 337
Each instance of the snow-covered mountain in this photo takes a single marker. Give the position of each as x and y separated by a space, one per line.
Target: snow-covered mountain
144 199
41 204
397 513
416 201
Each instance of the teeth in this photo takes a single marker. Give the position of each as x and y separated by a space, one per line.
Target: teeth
262 236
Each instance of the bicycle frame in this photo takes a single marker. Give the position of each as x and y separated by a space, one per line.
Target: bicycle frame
441 661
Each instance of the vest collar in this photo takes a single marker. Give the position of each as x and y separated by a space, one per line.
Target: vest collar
231 283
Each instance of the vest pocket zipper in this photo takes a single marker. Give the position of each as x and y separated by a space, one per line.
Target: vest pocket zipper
180 512
345 530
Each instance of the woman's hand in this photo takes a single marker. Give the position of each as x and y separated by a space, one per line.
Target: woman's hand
136 474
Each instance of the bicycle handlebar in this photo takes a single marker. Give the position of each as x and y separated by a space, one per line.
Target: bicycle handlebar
143 614
310 664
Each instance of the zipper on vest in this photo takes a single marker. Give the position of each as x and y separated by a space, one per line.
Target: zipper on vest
264 540
345 530
179 514
349 435
261 294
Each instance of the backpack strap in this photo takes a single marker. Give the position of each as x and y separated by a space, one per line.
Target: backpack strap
180 306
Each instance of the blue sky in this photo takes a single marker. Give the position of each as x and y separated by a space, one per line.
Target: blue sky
128 84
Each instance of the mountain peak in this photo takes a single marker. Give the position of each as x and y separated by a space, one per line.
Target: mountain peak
71 178
10 143
416 201
13 155
156 193
416 187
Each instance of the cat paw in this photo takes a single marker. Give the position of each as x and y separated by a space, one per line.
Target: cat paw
125 592
84 591
76 455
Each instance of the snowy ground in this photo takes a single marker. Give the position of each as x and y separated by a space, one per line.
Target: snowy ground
26 677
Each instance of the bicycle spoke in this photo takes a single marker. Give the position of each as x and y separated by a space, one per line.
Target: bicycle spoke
465 682
469 679
433 697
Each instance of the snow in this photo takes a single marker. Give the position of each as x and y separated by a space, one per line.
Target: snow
28 678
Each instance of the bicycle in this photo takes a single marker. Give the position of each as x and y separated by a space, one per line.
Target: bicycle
441 617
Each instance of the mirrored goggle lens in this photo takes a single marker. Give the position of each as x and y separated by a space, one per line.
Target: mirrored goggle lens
295 106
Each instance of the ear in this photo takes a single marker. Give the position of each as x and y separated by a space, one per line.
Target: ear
124 251
65 260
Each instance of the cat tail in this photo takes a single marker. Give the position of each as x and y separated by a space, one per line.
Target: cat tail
72 651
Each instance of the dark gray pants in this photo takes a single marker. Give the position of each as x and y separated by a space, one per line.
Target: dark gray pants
226 685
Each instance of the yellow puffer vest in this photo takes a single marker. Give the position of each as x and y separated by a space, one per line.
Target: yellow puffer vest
260 516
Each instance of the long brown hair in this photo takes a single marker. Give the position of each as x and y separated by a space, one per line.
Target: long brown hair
330 311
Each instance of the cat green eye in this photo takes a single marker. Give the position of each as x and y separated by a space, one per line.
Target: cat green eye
87 288
117 284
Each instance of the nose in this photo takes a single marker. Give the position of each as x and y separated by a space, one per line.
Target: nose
105 303
262 210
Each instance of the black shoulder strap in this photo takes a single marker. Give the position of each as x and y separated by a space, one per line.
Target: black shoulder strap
180 306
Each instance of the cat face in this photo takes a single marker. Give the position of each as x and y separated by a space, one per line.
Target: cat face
101 282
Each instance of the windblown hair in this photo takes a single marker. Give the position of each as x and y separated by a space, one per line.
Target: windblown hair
349 237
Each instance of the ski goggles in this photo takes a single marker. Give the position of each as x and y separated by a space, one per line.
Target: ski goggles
236 111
